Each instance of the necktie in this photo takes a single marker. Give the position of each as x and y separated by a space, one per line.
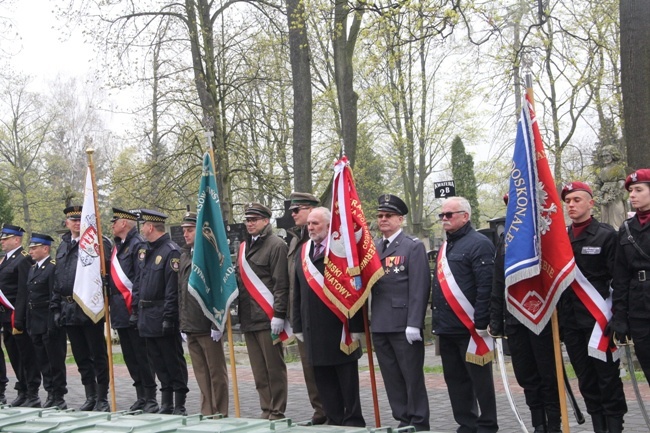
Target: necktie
318 250
386 242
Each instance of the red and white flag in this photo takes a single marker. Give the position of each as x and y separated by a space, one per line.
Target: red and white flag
88 288
352 265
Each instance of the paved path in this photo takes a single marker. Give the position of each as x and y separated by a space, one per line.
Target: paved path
298 408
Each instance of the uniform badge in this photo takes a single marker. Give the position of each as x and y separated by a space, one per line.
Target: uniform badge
141 253
175 264
24 253
158 259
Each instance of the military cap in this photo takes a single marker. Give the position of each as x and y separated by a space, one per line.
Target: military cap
9 231
257 210
392 203
189 220
40 239
123 215
73 212
302 199
152 216
641 175
576 186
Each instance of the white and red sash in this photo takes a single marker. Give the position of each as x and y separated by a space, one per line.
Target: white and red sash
316 280
601 310
121 280
480 350
259 292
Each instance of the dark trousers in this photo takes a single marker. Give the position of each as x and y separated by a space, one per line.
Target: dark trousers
137 362
640 330
470 387
22 358
599 382
338 387
533 362
169 363
402 368
50 349
88 345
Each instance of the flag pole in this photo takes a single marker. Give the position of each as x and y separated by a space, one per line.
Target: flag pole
555 328
107 316
231 347
371 366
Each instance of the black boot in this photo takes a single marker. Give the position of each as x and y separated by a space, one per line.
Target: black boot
58 401
139 402
3 397
538 418
599 422
615 424
150 403
32 399
166 402
179 404
101 405
20 399
49 401
553 420
91 397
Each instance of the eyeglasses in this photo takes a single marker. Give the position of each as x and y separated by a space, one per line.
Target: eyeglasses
299 208
385 215
448 215
251 220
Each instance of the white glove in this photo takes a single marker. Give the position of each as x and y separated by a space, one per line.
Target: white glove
299 336
184 336
215 334
483 333
413 334
356 336
277 325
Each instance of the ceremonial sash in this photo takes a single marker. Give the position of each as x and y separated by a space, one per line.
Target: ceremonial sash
121 281
316 280
259 292
480 350
601 310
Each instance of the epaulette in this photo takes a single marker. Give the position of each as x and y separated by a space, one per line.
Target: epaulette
53 261
173 246
24 253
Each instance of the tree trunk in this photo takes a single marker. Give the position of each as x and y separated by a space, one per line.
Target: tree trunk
635 79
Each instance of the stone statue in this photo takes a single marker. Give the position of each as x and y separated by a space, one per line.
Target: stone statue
610 183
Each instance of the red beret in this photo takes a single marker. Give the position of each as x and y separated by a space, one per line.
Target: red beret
641 175
576 186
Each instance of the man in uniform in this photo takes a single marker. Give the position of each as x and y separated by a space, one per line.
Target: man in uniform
301 204
50 343
399 303
263 299
13 284
204 341
123 275
155 310
594 247
87 339
461 298
336 372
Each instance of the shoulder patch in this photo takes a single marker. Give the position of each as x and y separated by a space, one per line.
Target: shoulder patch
175 264
142 253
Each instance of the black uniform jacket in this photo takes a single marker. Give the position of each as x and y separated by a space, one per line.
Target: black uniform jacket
631 282
594 252
470 255
155 297
40 285
127 255
13 279
320 327
401 296
67 256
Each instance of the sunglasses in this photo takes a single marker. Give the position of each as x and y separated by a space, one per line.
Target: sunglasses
448 215
299 208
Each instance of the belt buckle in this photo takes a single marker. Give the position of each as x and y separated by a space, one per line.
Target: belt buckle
642 276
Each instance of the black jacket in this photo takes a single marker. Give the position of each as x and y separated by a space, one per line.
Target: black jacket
127 254
13 279
470 255
40 285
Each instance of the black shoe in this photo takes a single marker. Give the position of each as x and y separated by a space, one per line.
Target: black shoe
91 397
32 400
101 405
140 402
318 419
150 403
20 399
179 405
49 401
166 402
58 401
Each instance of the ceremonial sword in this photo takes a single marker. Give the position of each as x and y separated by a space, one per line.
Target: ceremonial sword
498 344
635 384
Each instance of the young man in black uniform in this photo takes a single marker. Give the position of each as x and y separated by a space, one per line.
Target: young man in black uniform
49 341
13 279
594 245
155 310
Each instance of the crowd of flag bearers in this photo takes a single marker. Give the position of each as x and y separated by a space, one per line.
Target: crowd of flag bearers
316 288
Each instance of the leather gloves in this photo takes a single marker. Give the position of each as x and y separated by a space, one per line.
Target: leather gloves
57 319
133 320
